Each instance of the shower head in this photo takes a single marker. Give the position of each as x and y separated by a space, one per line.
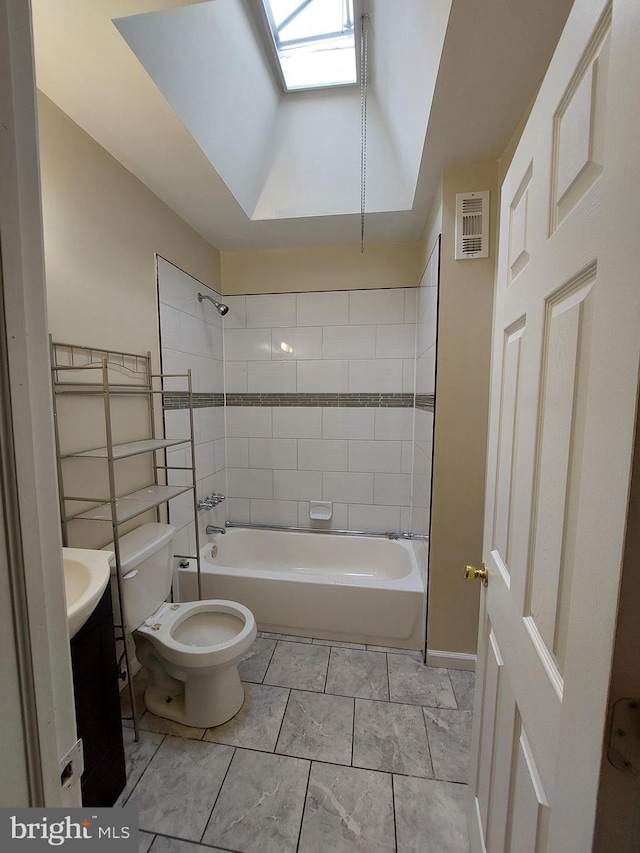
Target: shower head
222 309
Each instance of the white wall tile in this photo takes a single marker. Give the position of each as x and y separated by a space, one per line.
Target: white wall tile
170 327
273 453
347 422
174 361
375 456
297 485
426 373
184 541
347 487
247 344
408 376
220 449
349 341
250 483
394 424
176 288
235 377
273 310
236 317
410 304
371 375
271 377
176 424
323 376
284 513
407 457
210 375
302 343
249 421
211 420
199 337
322 455
237 452
376 306
405 519
205 460
396 341
424 430
297 422
377 519
181 510
238 509
323 309
180 459
392 489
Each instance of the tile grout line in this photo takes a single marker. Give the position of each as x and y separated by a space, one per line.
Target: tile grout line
304 805
275 746
216 798
145 769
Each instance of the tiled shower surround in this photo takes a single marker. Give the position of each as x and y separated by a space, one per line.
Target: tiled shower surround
321 403
345 363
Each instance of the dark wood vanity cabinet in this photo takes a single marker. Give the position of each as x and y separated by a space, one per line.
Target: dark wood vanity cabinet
97 701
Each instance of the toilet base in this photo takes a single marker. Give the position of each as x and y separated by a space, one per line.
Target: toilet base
205 701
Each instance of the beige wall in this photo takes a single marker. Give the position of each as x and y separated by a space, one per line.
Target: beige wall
462 399
322 268
102 228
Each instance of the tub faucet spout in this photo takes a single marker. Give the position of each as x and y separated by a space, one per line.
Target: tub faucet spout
210 528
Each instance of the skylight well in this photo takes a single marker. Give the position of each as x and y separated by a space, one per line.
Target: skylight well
314 42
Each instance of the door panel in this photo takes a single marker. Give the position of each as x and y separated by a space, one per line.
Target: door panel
563 394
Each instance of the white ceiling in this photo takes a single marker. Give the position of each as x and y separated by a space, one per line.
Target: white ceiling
196 114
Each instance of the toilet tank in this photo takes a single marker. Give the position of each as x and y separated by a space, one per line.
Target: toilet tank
146 570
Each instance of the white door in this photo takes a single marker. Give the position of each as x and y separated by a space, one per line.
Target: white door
566 350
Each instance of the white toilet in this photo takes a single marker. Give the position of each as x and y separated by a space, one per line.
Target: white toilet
191 650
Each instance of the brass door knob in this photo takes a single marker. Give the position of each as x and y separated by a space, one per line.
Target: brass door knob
471 573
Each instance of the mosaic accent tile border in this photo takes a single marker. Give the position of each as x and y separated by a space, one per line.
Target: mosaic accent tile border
180 400
201 400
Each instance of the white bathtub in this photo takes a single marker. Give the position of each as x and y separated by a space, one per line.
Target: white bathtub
360 589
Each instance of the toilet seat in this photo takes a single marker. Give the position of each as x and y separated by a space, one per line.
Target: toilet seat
167 630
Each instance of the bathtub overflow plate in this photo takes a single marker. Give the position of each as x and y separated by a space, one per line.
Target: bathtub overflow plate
214 552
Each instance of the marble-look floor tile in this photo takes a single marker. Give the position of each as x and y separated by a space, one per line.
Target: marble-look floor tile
291 637
340 644
409 652
317 726
415 684
357 673
430 816
260 804
152 723
145 840
391 737
299 665
255 663
179 787
450 741
257 723
137 757
162 844
463 684
347 811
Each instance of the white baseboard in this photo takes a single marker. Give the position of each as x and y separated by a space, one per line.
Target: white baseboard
451 660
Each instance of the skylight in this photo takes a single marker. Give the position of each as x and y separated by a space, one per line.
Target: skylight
314 42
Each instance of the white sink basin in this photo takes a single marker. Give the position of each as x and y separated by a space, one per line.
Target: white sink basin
86 575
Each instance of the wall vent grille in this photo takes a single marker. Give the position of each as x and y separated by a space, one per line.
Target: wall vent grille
472 225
